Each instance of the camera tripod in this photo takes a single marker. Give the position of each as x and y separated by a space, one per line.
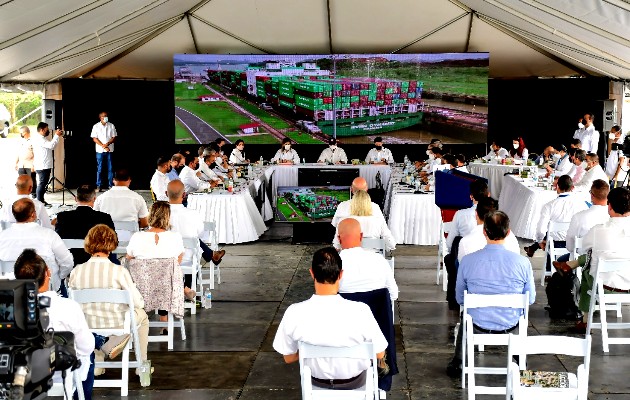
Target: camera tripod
53 178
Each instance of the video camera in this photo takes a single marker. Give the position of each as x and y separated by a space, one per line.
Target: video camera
29 352
623 147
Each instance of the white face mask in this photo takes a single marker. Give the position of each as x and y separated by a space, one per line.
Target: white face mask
332 147
287 147
429 152
105 119
580 125
611 135
515 145
431 156
556 156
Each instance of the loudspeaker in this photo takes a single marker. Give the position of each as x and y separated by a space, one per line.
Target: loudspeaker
609 118
51 114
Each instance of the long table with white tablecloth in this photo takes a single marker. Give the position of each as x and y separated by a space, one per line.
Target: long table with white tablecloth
493 173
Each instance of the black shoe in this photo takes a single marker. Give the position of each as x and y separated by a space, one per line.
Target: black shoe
453 305
101 190
530 250
47 205
454 368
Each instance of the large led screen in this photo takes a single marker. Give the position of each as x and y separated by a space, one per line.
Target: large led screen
406 98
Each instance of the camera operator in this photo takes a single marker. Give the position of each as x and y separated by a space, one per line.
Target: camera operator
43 157
64 314
616 164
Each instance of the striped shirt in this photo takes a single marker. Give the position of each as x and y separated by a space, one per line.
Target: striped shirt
100 273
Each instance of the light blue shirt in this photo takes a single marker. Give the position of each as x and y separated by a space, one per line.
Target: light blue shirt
495 270
172 175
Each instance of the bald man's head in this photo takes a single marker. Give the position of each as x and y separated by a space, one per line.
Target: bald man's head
349 231
24 184
24 210
359 184
175 191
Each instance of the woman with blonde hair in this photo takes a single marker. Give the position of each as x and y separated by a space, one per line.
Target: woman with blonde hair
371 226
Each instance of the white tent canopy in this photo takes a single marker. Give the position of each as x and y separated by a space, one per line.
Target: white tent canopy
45 41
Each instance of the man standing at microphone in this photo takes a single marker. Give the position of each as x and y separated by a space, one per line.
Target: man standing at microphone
104 135
43 157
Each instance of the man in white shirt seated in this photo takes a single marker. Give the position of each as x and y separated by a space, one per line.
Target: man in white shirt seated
561 209
206 163
563 166
343 209
24 186
159 180
476 240
122 203
461 163
238 154
363 269
189 224
435 159
496 152
190 176
26 234
379 154
327 319
593 171
464 220
333 154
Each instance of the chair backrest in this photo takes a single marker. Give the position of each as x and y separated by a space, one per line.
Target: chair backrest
557 226
497 300
548 344
74 243
374 244
577 247
191 243
6 269
129 226
209 226
117 296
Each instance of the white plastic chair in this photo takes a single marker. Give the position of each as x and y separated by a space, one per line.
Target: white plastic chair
6 225
124 229
74 243
116 296
73 382
577 249
193 267
471 339
608 301
362 351
214 270
551 250
445 228
563 345
6 269
170 326
376 244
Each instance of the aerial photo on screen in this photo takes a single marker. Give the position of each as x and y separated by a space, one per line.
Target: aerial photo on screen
406 98
309 203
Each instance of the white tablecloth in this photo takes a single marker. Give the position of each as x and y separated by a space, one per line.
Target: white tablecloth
493 173
523 205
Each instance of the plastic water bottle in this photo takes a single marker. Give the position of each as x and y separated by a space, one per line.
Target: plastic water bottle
145 373
250 171
261 160
230 185
303 160
207 299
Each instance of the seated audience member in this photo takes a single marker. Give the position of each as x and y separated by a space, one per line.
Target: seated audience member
100 273
584 220
205 167
238 153
608 240
563 165
492 270
546 157
576 143
593 171
435 159
496 152
372 226
327 319
561 209
379 154
464 220
75 224
333 154
221 166
449 159
617 163
363 269
190 177
519 151
579 158
64 315
475 240
286 154
24 186
159 242
160 179
177 164
188 224
344 208
26 234
461 163
122 203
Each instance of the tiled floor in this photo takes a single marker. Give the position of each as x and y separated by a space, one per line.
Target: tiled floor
228 353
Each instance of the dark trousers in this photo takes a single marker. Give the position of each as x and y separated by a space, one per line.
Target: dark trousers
104 158
28 171
353 383
43 175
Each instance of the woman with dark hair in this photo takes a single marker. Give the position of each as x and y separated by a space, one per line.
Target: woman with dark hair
519 151
286 155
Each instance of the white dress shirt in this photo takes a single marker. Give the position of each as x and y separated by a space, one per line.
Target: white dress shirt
291 155
583 221
584 185
159 182
104 133
122 204
464 221
365 270
523 157
376 156
25 154
46 242
463 169
329 155
329 321
42 215
476 241
207 173
343 211
191 181
589 138
236 157
188 224
560 209
372 227
610 240
501 153
564 166
43 151
66 315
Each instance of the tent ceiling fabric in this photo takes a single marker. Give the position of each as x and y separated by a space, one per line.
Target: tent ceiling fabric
47 41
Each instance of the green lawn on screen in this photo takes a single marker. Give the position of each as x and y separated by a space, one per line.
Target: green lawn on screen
263 138
182 136
218 114
288 208
275 122
183 93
